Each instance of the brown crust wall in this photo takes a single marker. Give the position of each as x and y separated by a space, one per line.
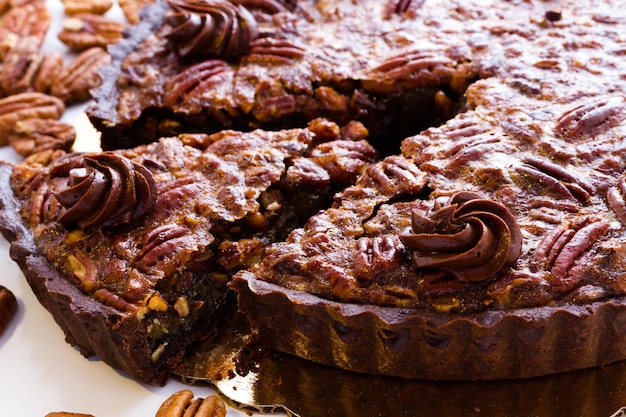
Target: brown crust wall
416 344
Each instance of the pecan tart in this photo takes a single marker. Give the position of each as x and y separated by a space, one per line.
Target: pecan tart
131 250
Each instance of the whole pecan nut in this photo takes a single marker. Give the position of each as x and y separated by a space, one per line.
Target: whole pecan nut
25 106
182 404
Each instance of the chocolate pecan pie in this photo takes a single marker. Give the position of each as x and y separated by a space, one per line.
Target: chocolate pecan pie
210 65
131 250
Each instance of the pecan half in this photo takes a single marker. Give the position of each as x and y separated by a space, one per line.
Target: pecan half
182 404
8 305
81 75
591 117
554 179
67 414
395 175
270 50
72 7
24 106
87 30
25 68
559 250
377 255
197 78
35 135
131 8
29 19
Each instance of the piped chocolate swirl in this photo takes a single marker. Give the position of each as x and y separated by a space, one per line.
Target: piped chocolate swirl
105 190
470 237
210 29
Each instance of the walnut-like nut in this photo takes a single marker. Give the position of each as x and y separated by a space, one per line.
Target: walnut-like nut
8 305
31 136
131 8
24 106
30 19
87 30
182 404
73 7
81 75
67 414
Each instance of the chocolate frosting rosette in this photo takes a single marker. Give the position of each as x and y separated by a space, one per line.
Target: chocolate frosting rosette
470 237
210 28
105 190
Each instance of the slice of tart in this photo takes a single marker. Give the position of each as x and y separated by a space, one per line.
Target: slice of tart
131 250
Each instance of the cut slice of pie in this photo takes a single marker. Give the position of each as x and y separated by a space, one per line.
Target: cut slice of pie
131 250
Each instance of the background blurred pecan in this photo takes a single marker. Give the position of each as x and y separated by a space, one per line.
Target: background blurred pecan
32 19
24 106
87 30
76 79
8 305
72 7
31 136
131 8
26 68
181 404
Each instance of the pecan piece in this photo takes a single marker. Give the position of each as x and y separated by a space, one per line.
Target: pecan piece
67 414
182 404
81 75
87 30
73 7
8 305
35 135
24 106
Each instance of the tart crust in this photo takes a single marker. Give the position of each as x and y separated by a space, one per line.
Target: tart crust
411 343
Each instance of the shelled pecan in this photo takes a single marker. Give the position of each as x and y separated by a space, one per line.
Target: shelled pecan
182 404
72 7
29 19
131 8
24 106
87 30
25 68
76 79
